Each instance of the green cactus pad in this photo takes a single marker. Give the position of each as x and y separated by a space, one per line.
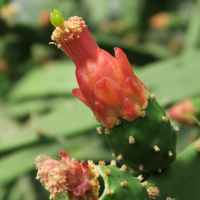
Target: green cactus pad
56 18
146 144
113 185
181 179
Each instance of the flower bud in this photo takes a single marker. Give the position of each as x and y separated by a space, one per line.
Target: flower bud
107 84
183 112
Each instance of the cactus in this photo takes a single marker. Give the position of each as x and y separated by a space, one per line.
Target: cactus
120 184
118 99
180 180
82 181
132 123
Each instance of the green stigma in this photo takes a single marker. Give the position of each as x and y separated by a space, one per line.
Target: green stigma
56 18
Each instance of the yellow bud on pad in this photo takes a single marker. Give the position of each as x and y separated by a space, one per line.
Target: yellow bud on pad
56 18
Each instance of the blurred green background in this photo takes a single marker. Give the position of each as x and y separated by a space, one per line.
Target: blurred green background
38 113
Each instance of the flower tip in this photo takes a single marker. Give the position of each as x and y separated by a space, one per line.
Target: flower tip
118 51
56 18
63 154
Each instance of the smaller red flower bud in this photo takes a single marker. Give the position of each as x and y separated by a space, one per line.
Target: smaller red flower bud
107 84
68 175
182 112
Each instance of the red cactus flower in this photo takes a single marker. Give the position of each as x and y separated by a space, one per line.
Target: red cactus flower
67 175
182 112
107 84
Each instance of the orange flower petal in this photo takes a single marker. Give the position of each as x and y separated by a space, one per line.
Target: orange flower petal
85 86
108 92
133 91
107 66
124 64
77 92
107 115
130 110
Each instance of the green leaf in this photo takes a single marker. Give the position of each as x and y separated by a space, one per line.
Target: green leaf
174 79
156 50
3 192
15 192
25 108
68 118
8 128
191 40
26 186
94 12
54 79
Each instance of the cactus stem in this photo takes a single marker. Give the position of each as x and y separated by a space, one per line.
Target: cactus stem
176 129
197 146
113 162
132 171
144 184
153 192
142 114
107 131
119 157
124 184
165 119
160 170
99 130
141 167
102 163
110 192
90 162
140 178
156 148
107 172
170 153
123 168
131 140
118 122
113 155
153 96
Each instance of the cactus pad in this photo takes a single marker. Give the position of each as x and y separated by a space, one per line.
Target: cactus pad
119 184
146 144
181 179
